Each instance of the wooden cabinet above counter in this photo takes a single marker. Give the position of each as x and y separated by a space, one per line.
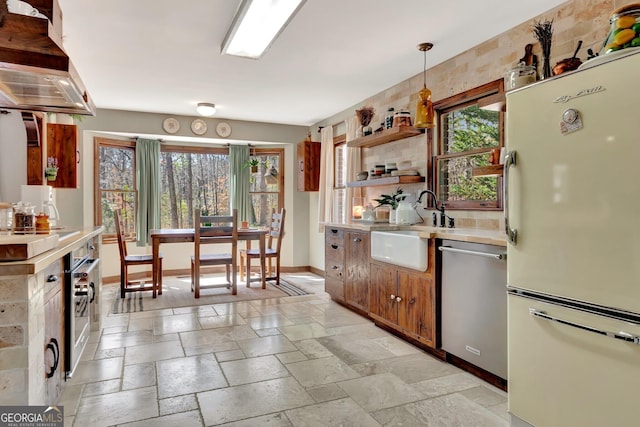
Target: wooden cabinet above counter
60 142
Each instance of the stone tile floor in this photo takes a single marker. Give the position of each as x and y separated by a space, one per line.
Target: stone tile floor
294 361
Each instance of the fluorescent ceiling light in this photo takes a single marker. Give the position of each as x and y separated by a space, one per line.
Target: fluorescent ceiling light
257 24
206 109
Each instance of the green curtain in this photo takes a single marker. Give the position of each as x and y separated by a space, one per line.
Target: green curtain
148 182
240 199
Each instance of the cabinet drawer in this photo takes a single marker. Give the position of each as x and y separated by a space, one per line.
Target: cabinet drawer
334 271
52 278
334 254
334 235
335 288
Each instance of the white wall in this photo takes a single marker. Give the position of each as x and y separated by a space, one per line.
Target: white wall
295 250
13 155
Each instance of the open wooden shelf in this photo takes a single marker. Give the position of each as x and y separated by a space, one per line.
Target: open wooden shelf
388 180
491 170
387 135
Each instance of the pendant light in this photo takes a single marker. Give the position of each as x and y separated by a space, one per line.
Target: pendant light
424 109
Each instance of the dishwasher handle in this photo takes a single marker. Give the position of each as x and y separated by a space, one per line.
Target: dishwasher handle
499 257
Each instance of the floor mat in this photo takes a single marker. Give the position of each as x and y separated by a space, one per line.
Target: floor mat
288 288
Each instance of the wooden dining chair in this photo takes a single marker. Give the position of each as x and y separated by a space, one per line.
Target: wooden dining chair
215 230
272 250
127 261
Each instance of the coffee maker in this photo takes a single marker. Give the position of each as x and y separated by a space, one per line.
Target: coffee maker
43 197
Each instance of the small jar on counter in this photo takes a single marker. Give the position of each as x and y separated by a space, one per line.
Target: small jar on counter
6 218
24 218
43 226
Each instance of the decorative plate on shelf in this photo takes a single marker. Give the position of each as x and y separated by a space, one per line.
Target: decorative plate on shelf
223 129
170 125
199 127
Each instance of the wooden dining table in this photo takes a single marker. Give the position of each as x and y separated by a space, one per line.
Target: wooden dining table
181 235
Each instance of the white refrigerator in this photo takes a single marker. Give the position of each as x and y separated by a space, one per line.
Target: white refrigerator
572 207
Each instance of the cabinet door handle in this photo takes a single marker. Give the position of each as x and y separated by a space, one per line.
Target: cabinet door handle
334 246
52 278
357 239
392 297
301 165
78 157
53 346
398 299
92 286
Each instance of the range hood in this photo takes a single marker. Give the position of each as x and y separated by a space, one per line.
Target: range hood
35 72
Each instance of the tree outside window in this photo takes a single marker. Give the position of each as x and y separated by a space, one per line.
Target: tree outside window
191 177
115 185
467 135
266 185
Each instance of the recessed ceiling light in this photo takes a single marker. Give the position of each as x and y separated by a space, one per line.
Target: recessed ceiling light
256 25
206 109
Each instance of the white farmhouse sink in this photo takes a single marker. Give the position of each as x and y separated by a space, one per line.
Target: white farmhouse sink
403 247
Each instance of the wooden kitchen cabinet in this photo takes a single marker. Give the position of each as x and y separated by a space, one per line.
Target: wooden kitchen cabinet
308 172
62 143
52 280
356 284
404 300
334 263
347 267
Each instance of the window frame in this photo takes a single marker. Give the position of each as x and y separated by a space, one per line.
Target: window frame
272 152
97 191
174 148
340 186
487 92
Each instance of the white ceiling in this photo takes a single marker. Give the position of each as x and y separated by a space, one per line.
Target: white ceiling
163 56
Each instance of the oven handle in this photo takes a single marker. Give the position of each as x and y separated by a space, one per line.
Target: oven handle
84 270
53 346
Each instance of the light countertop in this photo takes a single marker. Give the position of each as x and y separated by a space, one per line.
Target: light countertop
472 235
69 239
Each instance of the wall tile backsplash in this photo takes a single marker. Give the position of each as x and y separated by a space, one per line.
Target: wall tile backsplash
586 20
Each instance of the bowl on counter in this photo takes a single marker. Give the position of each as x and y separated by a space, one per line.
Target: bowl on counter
361 176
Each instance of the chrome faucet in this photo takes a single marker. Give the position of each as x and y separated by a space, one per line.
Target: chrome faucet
443 217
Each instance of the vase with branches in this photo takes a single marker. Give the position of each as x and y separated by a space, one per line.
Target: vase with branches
543 31
365 115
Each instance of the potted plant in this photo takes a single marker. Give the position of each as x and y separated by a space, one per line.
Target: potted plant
51 171
392 200
253 164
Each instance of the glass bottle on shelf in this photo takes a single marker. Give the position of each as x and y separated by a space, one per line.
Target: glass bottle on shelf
388 119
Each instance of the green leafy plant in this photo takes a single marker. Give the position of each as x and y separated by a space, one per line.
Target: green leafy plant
391 199
251 162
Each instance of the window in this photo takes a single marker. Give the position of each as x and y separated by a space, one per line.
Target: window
190 177
339 178
115 185
193 177
266 185
467 133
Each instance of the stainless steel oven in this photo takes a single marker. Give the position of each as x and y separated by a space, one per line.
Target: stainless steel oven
80 298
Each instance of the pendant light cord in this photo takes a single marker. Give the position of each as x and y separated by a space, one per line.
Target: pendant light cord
424 68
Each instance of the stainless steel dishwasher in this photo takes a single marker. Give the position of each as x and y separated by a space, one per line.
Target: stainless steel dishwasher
474 304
